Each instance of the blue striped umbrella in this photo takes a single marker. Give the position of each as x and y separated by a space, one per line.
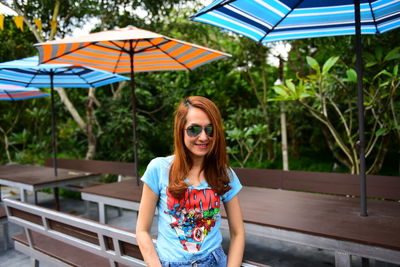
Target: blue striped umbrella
28 72
275 20
14 92
271 20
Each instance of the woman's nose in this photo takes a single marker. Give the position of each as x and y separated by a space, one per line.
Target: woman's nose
203 135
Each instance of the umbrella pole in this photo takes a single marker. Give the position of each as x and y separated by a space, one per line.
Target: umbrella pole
135 146
360 104
53 125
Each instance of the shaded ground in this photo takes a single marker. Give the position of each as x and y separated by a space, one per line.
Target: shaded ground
267 251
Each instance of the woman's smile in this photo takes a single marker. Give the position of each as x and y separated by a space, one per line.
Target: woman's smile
202 146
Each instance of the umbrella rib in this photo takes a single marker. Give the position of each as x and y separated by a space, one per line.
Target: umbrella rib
148 48
276 24
125 50
170 55
86 81
69 52
213 8
121 48
33 77
10 96
373 16
119 57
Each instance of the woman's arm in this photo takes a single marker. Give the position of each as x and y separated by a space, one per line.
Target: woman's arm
236 230
146 212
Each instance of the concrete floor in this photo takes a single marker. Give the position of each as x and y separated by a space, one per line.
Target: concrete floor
268 251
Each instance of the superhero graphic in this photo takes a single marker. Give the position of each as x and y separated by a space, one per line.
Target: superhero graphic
194 216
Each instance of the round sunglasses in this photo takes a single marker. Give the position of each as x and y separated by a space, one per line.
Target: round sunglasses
194 130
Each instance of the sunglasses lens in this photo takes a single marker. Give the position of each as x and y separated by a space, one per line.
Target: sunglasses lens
193 130
209 130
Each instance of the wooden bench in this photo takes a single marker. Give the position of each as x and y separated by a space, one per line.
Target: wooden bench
65 240
385 187
4 226
295 217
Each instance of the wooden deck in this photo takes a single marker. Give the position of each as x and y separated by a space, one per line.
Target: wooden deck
323 215
328 216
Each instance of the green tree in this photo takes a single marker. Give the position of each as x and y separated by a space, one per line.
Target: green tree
321 93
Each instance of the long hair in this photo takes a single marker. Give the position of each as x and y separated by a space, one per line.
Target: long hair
215 164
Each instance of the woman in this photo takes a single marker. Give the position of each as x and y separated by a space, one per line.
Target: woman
187 188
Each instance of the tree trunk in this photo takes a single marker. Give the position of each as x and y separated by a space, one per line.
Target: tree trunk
285 159
118 93
384 148
284 144
70 107
90 124
6 145
54 19
336 155
294 141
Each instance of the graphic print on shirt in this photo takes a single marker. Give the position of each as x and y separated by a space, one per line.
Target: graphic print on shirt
194 216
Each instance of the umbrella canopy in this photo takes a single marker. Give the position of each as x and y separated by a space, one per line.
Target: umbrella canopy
14 92
275 20
267 20
27 72
113 50
128 50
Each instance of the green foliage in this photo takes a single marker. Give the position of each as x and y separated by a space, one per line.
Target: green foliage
246 135
15 44
241 86
326 103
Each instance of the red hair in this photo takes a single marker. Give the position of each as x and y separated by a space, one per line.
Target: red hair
215 164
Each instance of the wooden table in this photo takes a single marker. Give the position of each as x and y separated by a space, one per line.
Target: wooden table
125 194
322 221
33 178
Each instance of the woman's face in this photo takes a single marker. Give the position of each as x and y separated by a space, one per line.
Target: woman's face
199 145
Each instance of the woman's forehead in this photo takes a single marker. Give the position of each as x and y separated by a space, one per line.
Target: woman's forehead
197 116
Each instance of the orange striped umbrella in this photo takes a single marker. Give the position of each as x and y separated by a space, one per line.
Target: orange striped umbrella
128 50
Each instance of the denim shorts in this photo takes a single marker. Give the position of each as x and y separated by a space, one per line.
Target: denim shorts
217 258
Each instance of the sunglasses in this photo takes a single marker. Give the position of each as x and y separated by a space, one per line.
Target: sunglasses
195 130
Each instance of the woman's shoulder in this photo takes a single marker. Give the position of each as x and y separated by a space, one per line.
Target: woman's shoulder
231 172
161 162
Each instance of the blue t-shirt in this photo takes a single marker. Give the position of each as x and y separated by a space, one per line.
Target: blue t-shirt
187 229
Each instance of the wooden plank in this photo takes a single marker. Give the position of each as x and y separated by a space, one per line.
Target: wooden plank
62 251
259 177
331 183
323 215
387 187
125 190
97 166
39 175
130 250
76 232
26 216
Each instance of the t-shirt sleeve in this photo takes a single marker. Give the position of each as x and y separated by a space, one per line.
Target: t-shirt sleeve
151 176
235 184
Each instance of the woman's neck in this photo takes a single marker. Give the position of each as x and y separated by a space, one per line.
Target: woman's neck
197 162
195 174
